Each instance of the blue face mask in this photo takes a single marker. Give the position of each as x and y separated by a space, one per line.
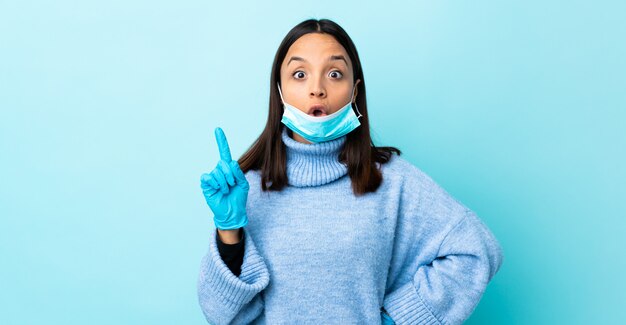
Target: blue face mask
323 128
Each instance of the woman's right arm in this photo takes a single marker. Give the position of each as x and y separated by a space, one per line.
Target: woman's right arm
230 237
224 297
231 249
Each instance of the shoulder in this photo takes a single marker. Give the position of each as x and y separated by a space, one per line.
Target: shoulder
420 191
253 176
398 168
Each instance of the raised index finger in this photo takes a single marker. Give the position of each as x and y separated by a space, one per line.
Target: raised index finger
222 144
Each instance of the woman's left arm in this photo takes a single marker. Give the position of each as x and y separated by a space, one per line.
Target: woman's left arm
447 290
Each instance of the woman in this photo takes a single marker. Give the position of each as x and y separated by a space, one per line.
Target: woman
315 224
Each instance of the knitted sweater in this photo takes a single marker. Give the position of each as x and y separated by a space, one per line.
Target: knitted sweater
317 254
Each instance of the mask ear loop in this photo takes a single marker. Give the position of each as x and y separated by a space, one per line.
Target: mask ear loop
280 93
355 105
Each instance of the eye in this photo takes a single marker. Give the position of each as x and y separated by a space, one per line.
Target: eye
335 74
298 74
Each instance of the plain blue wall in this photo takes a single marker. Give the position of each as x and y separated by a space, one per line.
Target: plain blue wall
107 117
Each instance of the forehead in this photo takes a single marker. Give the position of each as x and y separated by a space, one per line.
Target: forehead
316 47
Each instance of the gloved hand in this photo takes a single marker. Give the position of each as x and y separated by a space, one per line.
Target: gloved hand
226 189
386 319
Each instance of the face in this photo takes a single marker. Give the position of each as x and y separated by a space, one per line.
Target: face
316 75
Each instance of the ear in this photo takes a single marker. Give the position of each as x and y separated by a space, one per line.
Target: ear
356 89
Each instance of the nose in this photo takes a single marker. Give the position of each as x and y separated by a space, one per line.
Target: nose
317 89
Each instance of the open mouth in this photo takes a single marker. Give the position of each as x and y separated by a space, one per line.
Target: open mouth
318 112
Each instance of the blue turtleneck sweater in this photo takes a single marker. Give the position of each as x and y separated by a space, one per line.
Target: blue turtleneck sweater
316 253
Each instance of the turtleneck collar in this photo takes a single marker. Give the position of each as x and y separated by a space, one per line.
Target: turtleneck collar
313 164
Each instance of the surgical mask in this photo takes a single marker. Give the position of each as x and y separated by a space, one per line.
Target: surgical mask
320 128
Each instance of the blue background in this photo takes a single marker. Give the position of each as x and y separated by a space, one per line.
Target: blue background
107 117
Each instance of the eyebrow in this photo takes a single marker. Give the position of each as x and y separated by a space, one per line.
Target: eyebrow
332 58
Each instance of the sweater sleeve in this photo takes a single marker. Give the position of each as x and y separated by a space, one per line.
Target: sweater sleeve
225 298
447 290
232 254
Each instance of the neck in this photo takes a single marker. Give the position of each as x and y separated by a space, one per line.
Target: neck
313 164
297 137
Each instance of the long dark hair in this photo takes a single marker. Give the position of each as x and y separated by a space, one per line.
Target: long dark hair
268 153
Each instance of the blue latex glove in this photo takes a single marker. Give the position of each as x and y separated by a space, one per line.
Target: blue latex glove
226 189
386 319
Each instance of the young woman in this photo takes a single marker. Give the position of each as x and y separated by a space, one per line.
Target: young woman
315 224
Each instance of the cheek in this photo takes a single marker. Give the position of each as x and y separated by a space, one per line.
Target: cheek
296 97
341 98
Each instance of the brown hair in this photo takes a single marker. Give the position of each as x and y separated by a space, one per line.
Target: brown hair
268 153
